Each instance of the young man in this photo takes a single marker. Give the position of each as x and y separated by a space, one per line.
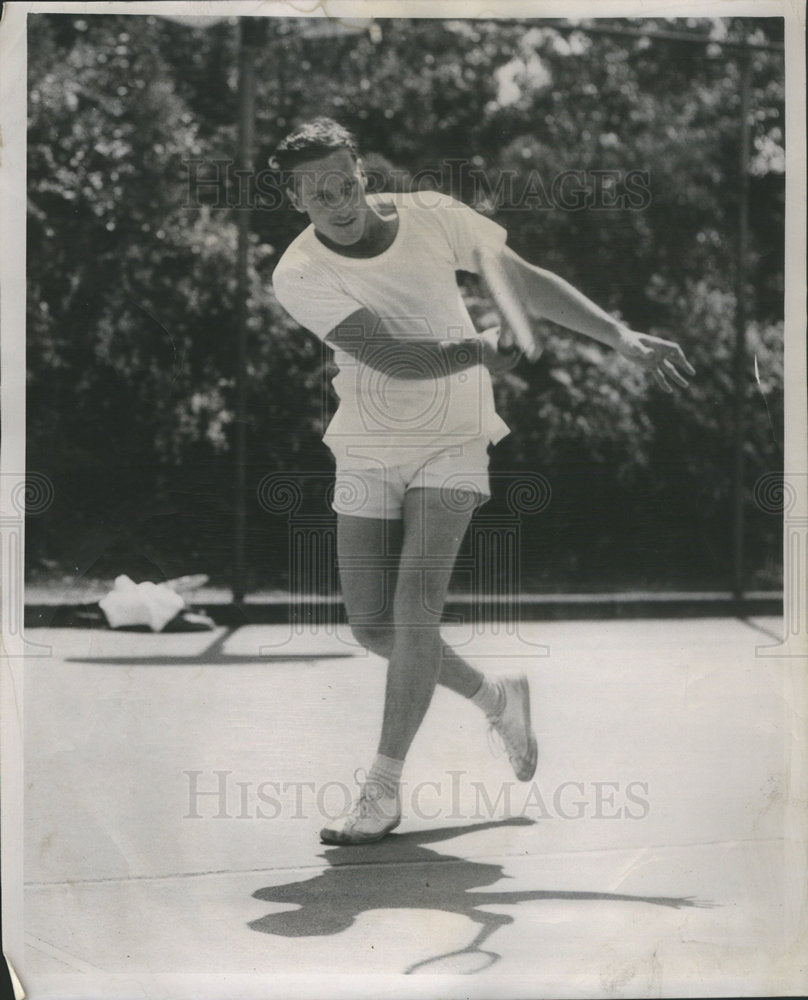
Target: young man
374 277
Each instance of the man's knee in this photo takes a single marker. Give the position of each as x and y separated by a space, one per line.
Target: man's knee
375 638
420 639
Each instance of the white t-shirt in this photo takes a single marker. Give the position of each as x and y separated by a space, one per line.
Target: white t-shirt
412 286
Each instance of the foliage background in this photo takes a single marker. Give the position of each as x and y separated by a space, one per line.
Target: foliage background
131 269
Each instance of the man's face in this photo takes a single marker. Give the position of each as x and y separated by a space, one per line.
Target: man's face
331 191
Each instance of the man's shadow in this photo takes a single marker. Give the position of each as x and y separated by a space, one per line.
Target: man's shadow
400 872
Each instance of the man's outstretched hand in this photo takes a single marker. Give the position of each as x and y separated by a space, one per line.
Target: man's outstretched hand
663 358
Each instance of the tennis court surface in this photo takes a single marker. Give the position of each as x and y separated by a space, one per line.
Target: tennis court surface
175 786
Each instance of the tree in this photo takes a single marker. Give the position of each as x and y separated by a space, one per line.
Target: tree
133 200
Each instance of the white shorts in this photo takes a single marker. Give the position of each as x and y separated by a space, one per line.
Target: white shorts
458 470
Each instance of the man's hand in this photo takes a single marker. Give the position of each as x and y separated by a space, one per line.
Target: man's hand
500 354
664 358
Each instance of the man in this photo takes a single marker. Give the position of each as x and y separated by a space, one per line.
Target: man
374 278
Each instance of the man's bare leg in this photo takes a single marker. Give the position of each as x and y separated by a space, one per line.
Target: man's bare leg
398 573
431 540
368 552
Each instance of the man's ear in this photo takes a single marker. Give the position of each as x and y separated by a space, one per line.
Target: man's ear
294 198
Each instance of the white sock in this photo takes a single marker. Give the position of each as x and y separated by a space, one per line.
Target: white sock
490 698
386 771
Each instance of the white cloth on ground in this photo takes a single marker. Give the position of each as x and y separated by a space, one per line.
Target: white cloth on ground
130 603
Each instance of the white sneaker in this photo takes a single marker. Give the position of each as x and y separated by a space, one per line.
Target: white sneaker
374 814
512 723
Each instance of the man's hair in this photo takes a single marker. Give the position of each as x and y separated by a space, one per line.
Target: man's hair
312 141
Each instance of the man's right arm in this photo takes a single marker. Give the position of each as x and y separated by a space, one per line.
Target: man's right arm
366 337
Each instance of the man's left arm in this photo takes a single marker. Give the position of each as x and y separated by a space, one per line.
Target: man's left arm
545 295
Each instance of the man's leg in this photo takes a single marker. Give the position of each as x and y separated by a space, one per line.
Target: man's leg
432 537
368 552
394 578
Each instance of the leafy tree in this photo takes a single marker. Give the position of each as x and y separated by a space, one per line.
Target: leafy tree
131 328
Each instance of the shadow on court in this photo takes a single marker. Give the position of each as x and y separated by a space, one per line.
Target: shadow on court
213 655
402 872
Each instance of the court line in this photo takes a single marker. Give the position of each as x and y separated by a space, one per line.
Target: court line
203 660
214 873
52 951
